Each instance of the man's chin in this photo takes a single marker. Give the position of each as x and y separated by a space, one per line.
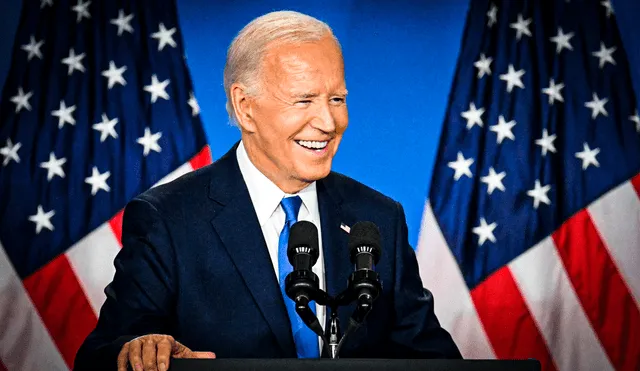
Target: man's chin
317 174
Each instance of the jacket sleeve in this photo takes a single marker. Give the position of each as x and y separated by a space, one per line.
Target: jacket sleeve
140 297
417 332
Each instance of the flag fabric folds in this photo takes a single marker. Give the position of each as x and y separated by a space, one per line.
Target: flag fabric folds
98 106
531 234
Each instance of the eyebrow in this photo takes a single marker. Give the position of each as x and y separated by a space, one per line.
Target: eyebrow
313 95
305 95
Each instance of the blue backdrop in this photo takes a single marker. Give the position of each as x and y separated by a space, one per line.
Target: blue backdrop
400 57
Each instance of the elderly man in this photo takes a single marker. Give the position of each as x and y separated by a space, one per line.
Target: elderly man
202 263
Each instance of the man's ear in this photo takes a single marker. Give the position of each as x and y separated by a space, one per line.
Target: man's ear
242 107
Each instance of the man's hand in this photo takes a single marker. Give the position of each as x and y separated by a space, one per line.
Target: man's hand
153 353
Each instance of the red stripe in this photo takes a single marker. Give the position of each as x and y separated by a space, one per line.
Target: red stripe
116 226
601 290
635 181
507 320
62 305
203 158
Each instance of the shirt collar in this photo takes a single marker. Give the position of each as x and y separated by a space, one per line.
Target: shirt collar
265 195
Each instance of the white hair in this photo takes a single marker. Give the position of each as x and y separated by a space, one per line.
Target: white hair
247 50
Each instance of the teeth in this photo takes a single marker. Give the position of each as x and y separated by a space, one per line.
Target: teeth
312 144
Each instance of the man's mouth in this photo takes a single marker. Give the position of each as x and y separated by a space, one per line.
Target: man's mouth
313 144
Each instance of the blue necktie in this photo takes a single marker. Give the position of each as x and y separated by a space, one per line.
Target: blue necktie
306 340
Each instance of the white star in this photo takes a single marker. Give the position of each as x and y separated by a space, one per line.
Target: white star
513 78
53 166
473 116
42 219
114 74
588 156
106 127
485 231
553 91
483 65
493 15
64 114
22 100
539 194
503 129
74 62
123 22
493 180
33 48
193 103
461 166
597 106
521 26
546 142
43 3
82 10
605 55
157 89
164 37
562 40
608 6
636 118
10 152
150 141
98 181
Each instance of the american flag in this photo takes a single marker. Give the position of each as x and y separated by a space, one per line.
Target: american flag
98 107
531 234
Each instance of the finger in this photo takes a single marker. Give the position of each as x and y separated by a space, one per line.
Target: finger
122 357
135 355
164 353
191 354
149 352
208 355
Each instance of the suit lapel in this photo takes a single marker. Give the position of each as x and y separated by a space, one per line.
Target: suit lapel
236 223
334 242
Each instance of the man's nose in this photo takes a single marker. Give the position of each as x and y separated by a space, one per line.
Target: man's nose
323 119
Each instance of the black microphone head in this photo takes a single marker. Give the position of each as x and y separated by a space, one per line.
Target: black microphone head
364 234
303 237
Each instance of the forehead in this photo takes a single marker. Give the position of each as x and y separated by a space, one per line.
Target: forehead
305 65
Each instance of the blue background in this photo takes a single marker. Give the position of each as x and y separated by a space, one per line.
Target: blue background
400 58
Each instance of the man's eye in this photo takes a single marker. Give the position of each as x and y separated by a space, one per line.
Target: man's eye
306 101
337 100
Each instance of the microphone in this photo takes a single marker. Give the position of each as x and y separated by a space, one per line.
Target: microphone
302 285
365 251
303 249
364 245
303 252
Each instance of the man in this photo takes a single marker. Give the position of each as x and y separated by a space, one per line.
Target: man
200 270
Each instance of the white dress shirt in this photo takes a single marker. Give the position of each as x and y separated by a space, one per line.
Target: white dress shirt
266 197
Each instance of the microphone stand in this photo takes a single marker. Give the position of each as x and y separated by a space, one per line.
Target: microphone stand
364 284
334 334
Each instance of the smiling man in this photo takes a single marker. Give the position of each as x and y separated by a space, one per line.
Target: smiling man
293 120
203 262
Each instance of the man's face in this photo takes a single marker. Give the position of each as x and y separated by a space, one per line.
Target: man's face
299 116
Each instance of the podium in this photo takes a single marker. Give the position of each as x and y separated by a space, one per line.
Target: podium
352 365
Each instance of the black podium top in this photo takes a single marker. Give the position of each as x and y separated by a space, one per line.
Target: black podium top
351 365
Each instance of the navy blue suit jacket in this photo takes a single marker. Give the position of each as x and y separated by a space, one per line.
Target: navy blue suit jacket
194 265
